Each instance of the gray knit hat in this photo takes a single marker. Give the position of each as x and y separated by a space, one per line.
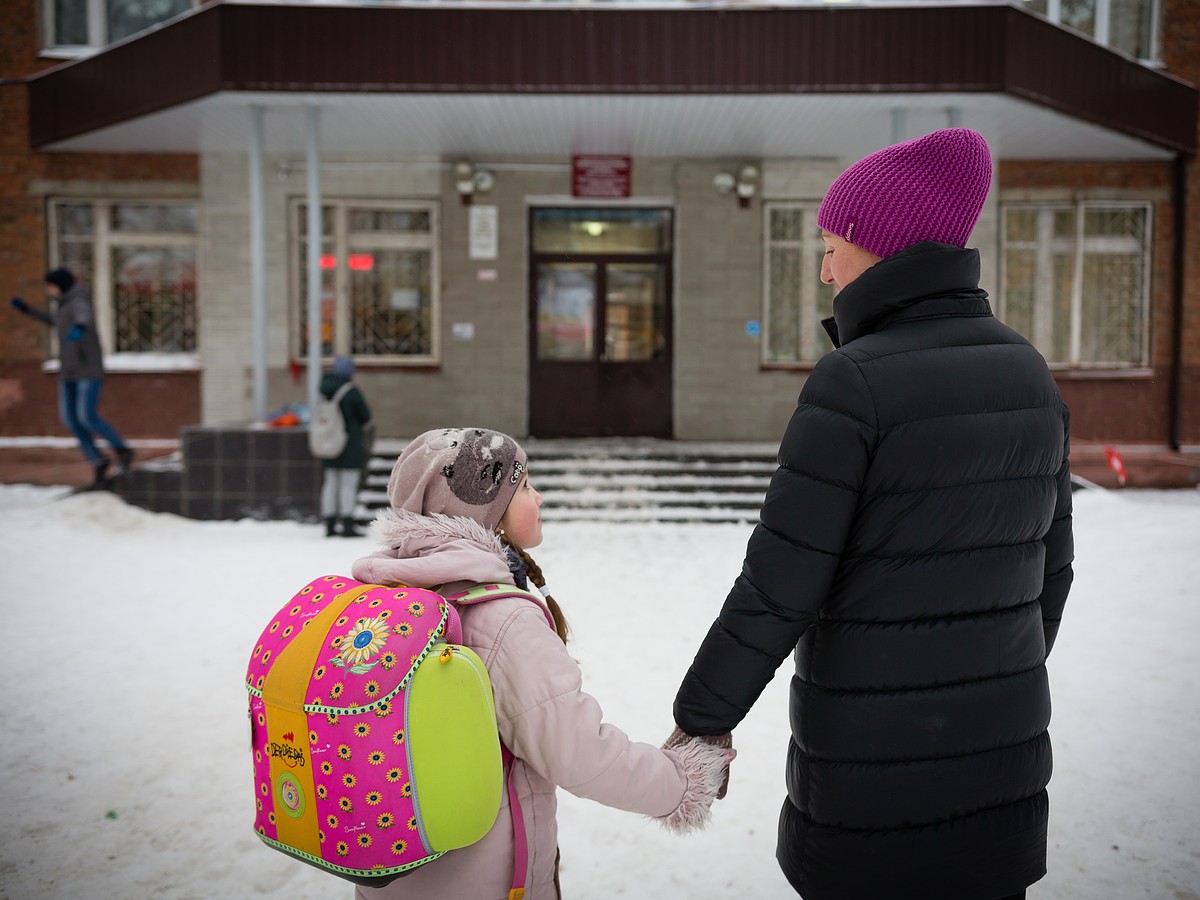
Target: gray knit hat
471 472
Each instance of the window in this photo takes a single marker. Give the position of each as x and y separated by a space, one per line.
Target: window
379 285
139 259
796 300
95 23
1127 25
1075 281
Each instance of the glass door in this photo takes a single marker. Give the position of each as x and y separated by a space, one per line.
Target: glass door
566 311
634 312
600 322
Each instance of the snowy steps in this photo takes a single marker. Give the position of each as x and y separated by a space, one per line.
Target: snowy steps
625 480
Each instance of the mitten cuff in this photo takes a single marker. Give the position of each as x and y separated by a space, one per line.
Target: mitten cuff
703 765
679 737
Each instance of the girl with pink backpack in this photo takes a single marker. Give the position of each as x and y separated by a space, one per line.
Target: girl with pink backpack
463 513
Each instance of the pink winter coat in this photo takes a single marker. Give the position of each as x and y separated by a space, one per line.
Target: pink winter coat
555 730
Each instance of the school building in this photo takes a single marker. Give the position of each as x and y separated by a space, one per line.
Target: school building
580 219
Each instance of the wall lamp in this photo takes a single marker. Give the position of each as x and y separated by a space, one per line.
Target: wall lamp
469 180
744 184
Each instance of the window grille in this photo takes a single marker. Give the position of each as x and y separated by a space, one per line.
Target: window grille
379 284
1075 281
138 258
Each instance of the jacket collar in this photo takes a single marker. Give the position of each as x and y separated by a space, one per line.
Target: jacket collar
433 551
926 280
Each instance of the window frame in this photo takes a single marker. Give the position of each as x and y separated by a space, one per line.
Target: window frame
343 246
1102 13
813 239
1079 208
103 240
97 29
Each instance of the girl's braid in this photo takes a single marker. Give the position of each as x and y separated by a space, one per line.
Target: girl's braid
534 571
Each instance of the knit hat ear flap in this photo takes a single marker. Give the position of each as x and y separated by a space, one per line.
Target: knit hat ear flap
929 189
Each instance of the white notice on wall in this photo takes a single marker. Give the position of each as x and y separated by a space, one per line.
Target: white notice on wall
463 331
484 230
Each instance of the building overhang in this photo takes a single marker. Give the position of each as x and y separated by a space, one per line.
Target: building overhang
403 80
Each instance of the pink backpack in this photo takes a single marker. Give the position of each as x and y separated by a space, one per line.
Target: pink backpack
373 731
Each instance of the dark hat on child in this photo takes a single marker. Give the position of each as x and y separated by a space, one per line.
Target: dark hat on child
928 189
471 472
60 278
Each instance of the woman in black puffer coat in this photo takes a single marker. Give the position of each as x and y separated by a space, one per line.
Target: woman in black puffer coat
915 552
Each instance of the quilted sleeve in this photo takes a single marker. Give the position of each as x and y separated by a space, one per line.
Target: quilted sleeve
1060 547
793 553
547 720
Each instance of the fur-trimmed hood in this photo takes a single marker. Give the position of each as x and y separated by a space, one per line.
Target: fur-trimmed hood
432 551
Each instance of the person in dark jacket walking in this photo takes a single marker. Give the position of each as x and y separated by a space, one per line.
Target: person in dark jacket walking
339 490
80 370
915 552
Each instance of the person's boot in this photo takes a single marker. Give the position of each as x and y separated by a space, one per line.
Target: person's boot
348 529
99 476
124 461
330 526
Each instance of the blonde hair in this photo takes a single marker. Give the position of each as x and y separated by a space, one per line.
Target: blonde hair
534 571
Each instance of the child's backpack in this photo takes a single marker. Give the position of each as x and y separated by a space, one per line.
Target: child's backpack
373 731
327 430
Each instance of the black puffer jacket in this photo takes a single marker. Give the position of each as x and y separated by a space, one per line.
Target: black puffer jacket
915 551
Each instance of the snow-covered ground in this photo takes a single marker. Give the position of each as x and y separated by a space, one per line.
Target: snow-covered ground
126 772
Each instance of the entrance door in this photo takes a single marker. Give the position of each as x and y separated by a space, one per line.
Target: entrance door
600 317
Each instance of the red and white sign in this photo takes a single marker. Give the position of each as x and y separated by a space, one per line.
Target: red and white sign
601 176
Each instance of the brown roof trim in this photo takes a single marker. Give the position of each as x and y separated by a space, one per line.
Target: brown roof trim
612 51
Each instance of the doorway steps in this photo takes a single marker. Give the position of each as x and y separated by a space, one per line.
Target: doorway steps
624 479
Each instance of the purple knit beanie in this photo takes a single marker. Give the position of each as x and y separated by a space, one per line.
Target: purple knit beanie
471 472
928 189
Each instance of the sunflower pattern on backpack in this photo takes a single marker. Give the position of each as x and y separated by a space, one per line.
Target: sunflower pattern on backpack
332 762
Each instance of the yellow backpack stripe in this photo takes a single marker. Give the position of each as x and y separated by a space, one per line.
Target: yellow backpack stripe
283 693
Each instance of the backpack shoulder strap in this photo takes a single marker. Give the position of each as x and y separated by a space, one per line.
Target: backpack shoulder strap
341 392
482 593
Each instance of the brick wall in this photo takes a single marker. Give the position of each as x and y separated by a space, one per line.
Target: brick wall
1109 406
26 393
143 404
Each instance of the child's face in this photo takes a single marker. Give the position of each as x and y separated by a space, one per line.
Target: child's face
522 520
843 261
